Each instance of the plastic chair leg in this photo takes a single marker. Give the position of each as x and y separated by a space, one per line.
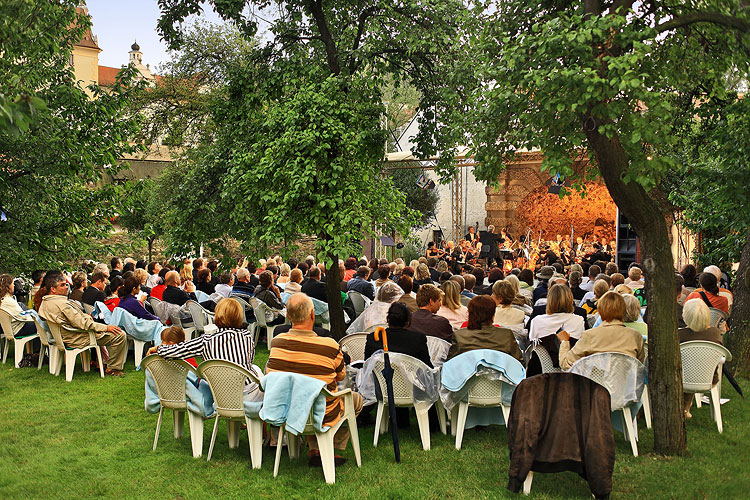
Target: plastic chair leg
463 411
5 350
628 422
86 361
158 428
255 439
279 441
195 422
354 433
716 407
527 483
41 357
138 351
441 417
325 445
454 420
178 416
101 362
52 351
61 356
423 421
646 407
213 439
233 433
17 352
698 403
506 413
378 423
70 360
293 445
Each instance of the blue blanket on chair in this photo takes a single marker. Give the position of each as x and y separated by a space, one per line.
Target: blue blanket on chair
147 330
197 393
289 397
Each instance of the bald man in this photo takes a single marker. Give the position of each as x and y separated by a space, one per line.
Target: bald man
173 294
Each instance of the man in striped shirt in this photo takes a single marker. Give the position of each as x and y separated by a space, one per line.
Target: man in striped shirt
301 350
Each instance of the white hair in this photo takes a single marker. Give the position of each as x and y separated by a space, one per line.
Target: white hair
713 270
696 315
242 273
100 268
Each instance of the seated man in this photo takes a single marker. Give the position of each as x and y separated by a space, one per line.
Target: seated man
302 351
360 284
244 285
313 287
424 319
56 308
95 292
224 286
635 278
172 292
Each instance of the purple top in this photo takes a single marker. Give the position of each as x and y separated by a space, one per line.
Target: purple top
131 305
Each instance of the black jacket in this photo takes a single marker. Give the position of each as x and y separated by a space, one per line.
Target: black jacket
357 284
403 341
92 295
315 289
174 295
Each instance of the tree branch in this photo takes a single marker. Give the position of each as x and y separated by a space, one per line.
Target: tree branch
363 16
704 17
316 9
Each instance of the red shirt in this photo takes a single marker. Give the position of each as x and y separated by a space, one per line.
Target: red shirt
112 303
716 301
158 291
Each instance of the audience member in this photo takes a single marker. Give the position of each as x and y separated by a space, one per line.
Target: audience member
425 320
95 292
315 288
480 333
360 284
451 308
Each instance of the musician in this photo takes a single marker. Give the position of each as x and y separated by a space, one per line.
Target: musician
598 254
493 255
471 236
433 250
578 249
505 236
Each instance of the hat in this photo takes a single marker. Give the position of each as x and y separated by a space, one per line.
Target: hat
546 273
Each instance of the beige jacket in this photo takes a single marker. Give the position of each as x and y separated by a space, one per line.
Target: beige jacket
57 309
609 337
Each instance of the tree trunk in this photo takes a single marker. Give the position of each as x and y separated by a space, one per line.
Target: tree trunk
738 339
664 362
150 248
335 304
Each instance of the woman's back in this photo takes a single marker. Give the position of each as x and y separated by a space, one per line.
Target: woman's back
489 337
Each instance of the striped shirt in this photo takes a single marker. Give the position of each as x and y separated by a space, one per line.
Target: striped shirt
227 344
304 352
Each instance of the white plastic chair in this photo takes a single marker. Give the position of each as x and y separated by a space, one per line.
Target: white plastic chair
324 438
545 359
87 308
170 376
260 309
483 393
358 301
201 316
69 354
354 345
645 400
227 383
624 371
159 310
372 328
403 396
700 359
18 343
718 319
245 306
438 349
46 346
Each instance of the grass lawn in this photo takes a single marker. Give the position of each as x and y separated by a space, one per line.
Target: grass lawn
91 438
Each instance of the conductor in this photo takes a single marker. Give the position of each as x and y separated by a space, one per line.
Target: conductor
490 240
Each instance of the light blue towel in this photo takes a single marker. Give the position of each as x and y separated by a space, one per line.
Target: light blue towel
288 399
45 327
202 296
197 393
457 371
147 330
102 312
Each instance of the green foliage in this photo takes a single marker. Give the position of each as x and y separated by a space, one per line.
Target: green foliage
140 212
48 175
423 201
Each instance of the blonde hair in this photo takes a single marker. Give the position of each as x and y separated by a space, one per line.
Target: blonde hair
228 314
504 292
611 307
422 272
514 282
600 288
284 270
624 289
697 315
295 275
451 295
141 275
635 273
442 266
186 273
559 300
414 264
632 308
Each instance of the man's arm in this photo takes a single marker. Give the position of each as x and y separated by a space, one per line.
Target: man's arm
81 321
369 291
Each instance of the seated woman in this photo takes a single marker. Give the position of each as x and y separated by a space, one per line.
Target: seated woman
521 301
203 282
79 284
503 293
574 280
421 276
526 282
294 283
611 336
709 293
9 304
285 274
559 314
697 317
376 313
128 292
400 338
452 310
113 299
632 318
600 288
271 296
480 332
230 342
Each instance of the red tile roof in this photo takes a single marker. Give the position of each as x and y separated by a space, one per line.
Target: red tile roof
107 75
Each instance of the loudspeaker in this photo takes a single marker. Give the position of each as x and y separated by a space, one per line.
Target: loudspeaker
627 243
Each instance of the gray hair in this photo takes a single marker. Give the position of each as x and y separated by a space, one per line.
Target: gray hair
100 268
298 308
696 314
242 273
632 308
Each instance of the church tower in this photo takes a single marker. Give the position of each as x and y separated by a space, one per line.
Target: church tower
136 59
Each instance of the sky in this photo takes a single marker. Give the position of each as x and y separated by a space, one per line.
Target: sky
118 23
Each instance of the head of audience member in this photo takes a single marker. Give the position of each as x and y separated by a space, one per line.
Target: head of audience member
141 264
406 283
114 284
611 307
48 280
429 297
172 335
441 266
600 288
605 278
342 270
141 275
513 281
481 312
444 276
55 283
496 274
713 270
153 268
558 267
99 280
697 315
709 283
559 300
292 263
226 279
527 276
243 275
689 274
616 279
284 270
635 274
611 268
302 266
212 266
265 279
384 271
198 264
252 268
594 271
479 276
574 279
460 280
79 280
314 273
398 316
576 267
413 264
362 262
271 268
6 285
423 272
300 311
632 308
503 293
432 262
350 263
451 295
389 292
186 273
679 282
408 271
127 274
469 281
101 268
295 276
172 278
228 313
37 276
363 272
116 263
623 289
204 275
130 286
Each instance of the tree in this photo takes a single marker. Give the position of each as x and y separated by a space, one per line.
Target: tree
591 77
423 201
140 212
48 174
300 142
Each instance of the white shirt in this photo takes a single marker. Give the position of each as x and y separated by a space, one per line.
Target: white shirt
152 280
587 285
456 318
588 296
223 290
548 324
